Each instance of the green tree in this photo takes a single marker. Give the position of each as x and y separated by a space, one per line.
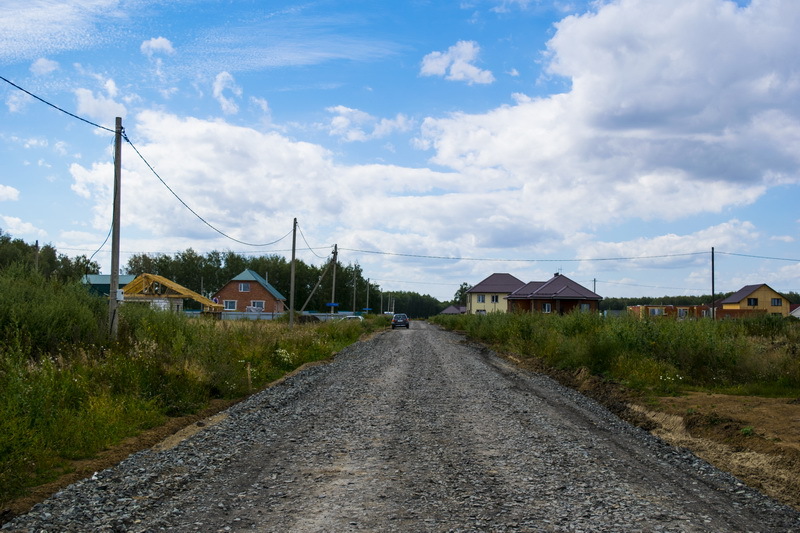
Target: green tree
460 297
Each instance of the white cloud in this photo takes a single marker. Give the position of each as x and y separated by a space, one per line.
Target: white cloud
670 249
43 66
355 125
18 228
99 107
222 83
661 122
157 45
8 193
17 101
456 64
29 29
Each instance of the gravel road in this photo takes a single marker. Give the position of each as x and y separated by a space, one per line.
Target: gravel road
413 430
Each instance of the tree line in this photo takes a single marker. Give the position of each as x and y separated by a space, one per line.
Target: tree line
44 259
209 272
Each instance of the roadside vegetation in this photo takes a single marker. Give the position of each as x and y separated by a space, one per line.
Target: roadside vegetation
755 356
67 391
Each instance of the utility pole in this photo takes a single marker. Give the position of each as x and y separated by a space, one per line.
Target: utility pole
291 275
113 319
713 308
333 283
354 289
367 306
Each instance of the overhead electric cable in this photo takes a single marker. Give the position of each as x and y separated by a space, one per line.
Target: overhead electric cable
760 257
56 107
663 256
308 245
203 220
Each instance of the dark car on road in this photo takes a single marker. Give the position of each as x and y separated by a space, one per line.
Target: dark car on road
400 320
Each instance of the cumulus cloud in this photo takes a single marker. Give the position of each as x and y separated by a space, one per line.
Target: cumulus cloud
223 83
19 228
8 193
98 107
43 66
247 183
356 125
660 123
456 64
157 46
17 101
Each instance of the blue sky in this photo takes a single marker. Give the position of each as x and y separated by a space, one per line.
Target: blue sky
433 142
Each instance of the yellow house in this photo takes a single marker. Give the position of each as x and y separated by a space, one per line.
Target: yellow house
759 298
490 295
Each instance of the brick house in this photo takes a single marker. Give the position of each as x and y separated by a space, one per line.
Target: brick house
250 292
558 295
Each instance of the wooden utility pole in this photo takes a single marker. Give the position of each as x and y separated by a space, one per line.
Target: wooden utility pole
291 275
713 288
113 319
333 283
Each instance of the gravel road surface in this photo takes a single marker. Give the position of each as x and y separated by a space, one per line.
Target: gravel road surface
413 430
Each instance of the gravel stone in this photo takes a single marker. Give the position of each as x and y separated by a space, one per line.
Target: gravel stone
413 430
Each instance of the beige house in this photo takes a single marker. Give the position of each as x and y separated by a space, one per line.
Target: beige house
756 299
490 295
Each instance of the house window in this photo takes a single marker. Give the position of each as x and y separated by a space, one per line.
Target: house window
230 305
547 308
656 311
481 312
495 298
682 313
776 302
585 308
752 302
244 287
481 298
258 304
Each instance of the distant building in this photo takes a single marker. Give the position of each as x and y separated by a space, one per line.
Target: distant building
455 310
489 296
679 312
558 295
754 299
250 292
100 284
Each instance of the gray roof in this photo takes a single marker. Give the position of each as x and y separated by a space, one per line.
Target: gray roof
743 293
498 283
251 275
559 287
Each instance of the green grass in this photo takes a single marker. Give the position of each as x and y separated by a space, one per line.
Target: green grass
663 356
67 391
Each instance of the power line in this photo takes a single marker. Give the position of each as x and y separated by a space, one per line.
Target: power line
203 220
56 107
308 246
125 136
760 257
499 260
647 286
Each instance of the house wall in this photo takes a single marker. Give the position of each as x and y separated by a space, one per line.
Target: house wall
475 307
556 306
764 295
244 299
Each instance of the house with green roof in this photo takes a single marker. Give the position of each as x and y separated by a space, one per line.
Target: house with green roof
249 292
